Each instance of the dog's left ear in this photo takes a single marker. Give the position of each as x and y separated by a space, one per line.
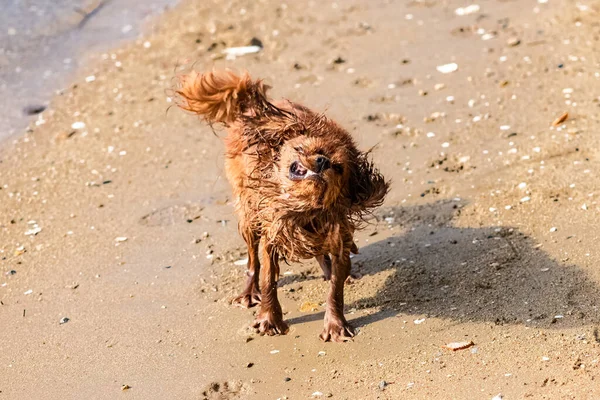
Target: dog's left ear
367 186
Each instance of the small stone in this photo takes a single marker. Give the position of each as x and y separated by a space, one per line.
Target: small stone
125 387
513 41
447 68
250 365
287 379
382 385
64 320
33 109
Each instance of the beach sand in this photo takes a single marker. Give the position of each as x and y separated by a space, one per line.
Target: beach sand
118 241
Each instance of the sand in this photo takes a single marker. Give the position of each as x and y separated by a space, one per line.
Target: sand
115 212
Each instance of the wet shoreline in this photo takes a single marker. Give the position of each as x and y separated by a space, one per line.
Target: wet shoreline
45 42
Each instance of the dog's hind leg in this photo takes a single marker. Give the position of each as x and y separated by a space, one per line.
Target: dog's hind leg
325 263
269 320
250 297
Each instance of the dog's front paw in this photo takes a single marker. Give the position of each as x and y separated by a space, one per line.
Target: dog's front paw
269 324
337 330
247 299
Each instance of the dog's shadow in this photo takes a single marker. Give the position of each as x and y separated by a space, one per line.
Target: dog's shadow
435 269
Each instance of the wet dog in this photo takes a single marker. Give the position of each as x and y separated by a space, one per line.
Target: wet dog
301 184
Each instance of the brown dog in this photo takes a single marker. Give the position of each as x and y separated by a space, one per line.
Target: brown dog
301 184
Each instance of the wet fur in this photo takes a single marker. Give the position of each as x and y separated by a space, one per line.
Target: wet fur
291 219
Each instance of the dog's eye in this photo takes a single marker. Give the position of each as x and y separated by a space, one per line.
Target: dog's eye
299 149
338 168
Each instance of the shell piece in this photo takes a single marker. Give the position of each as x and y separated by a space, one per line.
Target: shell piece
560 119
454 346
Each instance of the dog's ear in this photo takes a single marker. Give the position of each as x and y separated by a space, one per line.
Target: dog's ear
367 185
222 96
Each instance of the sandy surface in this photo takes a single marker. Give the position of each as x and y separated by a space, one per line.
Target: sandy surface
125 226
43 41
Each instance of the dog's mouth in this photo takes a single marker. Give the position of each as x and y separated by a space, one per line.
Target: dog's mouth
299 172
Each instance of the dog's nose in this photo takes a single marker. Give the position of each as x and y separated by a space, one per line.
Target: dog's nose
322 163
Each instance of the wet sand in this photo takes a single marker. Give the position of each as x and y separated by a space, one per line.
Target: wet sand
43 42
115 212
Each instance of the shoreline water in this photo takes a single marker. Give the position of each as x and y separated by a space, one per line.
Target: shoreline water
44 42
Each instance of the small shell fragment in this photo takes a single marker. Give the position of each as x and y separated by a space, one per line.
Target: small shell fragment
233 52
243 261
560 119
473 8
454 346
447 68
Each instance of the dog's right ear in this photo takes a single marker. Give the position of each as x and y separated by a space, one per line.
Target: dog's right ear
222 96
368 187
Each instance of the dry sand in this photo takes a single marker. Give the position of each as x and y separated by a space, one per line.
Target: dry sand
125 225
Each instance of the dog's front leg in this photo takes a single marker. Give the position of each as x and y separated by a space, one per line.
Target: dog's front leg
337 329
269 320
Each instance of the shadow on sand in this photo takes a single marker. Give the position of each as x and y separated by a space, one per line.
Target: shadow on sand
498 275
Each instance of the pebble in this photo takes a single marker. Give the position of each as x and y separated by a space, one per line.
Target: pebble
553 229
382 385
513 41
447 68
419 321
64 320
470 9
78 125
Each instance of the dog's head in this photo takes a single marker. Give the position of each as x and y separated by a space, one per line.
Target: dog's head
314 170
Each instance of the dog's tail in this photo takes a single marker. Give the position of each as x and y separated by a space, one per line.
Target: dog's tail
222 96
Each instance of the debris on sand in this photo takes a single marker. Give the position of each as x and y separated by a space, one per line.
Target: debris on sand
560 119
499 396
78 125
454 346
447 68
419 321
461 11
233 52
125 387
64 320
33 231
241 262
